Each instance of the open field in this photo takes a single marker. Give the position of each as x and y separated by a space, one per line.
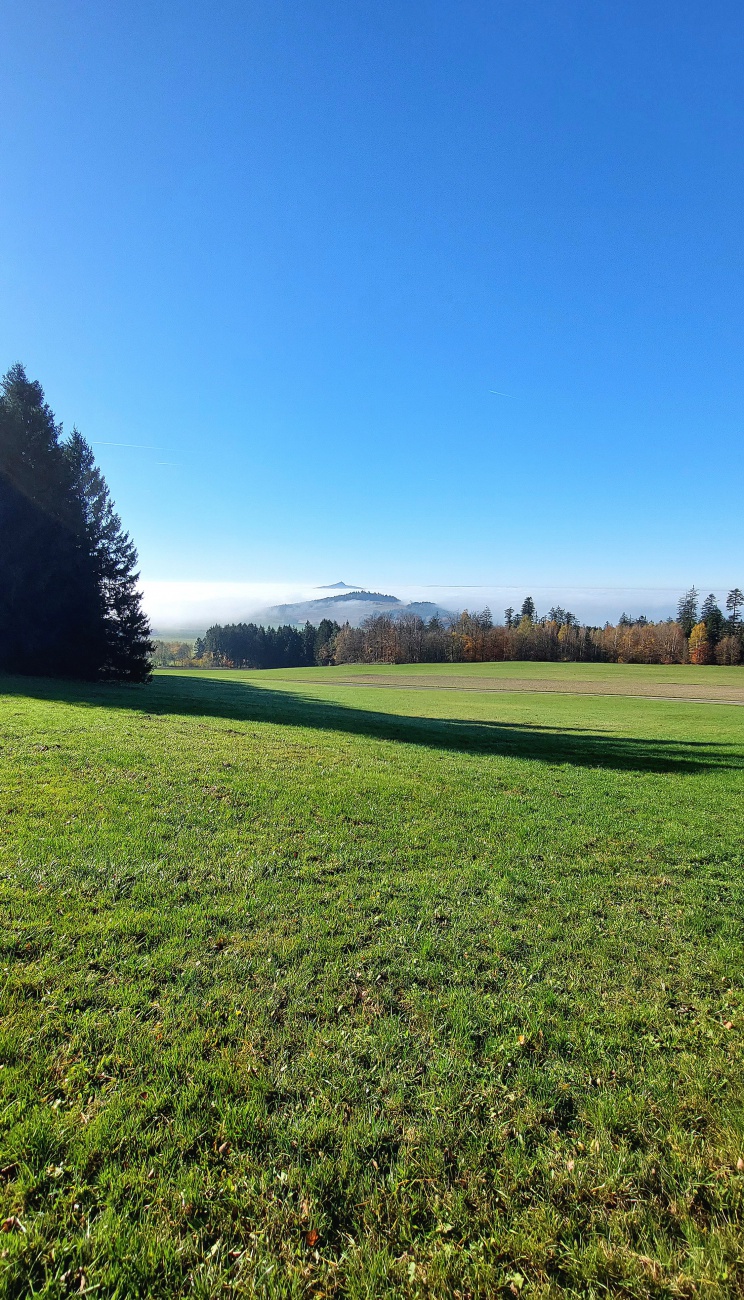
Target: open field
312 985
636 675
685 682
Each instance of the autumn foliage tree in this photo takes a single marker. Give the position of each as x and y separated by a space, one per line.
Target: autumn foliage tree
699 646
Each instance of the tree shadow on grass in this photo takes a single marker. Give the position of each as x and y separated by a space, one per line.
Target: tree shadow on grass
243 702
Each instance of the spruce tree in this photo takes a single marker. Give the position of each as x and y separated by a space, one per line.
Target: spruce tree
712 617
734 602
124 635
308 639
48 599
68 600
687 611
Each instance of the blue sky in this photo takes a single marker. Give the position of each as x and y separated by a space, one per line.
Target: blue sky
288 251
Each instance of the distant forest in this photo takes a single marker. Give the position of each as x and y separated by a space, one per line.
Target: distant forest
700 634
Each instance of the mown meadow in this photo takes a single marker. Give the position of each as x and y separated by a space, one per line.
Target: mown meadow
310 988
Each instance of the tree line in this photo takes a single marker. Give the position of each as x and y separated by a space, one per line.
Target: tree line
248 645
711 636
698 635
69 603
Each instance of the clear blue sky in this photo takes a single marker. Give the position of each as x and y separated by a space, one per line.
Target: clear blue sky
293 247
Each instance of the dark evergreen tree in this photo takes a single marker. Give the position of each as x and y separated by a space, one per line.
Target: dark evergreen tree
327 629
734 602
588 650
528 608
687 611
123 643
308 640
68 600
48 598
509 617
713 619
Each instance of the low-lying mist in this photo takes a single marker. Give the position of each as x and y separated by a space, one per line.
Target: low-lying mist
191 607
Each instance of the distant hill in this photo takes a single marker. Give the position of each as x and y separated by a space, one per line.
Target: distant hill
339 586
347 607
378 597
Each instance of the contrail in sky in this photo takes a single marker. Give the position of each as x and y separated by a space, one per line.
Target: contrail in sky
136 446
497 394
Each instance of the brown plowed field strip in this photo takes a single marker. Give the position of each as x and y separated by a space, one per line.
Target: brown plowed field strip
694 693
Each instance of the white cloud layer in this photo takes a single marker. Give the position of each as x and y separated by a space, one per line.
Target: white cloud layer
193 606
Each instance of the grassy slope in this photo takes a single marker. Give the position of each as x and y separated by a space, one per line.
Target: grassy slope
449 974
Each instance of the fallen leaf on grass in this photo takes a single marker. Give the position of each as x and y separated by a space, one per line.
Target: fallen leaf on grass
12 1224
312 1237
224 1149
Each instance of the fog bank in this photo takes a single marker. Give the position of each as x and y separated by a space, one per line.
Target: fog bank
191 607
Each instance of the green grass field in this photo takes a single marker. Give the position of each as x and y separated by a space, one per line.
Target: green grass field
315 988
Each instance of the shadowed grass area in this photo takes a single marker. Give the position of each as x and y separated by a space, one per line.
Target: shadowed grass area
371 994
